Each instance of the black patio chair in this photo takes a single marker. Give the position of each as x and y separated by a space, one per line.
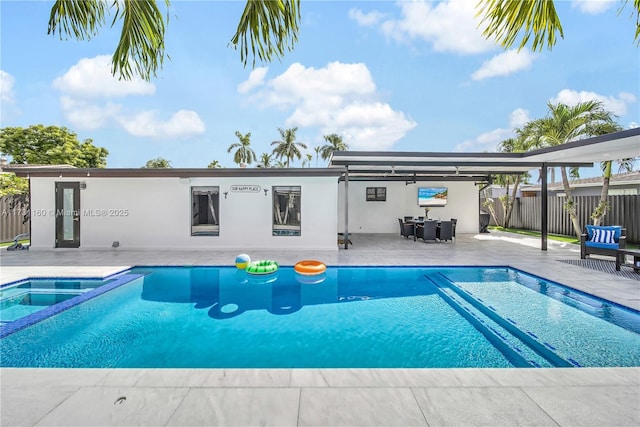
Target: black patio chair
454 221
406 229
427 231
446 231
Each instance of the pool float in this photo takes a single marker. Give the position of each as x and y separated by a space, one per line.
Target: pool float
310 267
262 267
242 261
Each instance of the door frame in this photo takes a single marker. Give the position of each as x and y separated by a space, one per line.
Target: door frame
61 213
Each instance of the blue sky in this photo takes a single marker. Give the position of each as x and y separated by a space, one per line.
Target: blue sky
400 76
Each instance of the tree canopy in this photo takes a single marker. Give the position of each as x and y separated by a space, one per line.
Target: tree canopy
288 148
50 145
244 153
157 163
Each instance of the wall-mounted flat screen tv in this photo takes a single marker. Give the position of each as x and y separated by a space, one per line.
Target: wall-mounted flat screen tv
432 196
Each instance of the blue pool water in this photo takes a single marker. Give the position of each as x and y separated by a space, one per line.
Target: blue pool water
359 317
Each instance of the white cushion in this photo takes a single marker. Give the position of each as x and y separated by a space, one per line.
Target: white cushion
603 236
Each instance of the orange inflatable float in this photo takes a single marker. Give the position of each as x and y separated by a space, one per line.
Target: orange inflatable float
310 267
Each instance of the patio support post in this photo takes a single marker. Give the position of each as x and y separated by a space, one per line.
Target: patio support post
543 207
346 208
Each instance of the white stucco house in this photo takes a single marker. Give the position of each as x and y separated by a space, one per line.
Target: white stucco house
258 208
222 208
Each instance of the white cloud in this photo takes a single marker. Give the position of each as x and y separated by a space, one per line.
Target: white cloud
338 98
504 64
91 77
450 26
518 118
87 89
617 106
88 116
184 123
593 7
488 141
366 19
7 82
256 78
485 142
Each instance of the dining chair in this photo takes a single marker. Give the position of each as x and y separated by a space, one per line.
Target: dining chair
406 229
446 231
454 221
428 231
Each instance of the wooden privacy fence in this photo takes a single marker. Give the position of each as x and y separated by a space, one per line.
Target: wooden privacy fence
11 219
624 210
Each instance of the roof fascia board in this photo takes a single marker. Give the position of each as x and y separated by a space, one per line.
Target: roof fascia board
461 178
452 164
173 172
586 142
422 154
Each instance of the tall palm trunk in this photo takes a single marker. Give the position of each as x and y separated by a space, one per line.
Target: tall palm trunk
507 214
490 206
603 205
569 205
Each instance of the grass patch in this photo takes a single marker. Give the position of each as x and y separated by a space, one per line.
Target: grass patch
556 237
5 244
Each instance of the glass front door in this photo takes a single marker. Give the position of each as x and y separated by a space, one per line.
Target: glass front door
67 214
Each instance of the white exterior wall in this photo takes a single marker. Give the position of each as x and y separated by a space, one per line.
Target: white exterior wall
402 200
158 213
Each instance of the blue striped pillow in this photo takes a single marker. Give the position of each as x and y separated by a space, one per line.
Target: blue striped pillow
603 236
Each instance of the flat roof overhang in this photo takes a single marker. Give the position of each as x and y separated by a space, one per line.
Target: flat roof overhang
413 167
447 166
67 172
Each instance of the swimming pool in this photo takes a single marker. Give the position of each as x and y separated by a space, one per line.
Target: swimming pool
358 317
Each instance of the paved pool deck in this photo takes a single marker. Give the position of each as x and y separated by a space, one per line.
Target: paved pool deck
328 397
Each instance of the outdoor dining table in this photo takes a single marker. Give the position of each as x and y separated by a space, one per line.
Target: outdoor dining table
417 222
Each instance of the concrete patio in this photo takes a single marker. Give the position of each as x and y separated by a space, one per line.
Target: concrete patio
323 397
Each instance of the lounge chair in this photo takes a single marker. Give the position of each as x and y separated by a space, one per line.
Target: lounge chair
602 240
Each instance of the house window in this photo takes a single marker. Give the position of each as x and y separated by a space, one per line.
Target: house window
205 205
286 210
376 194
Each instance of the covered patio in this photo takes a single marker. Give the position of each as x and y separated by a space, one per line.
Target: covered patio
479 168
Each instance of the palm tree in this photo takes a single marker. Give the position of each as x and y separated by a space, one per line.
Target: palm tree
244 153
318 149
607 166
157 163
512 145
564 124
266 29
265 160
287 147
603 205
334 143
214 165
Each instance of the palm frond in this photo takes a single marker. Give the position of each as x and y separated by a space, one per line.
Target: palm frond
267 29
141 39
507 20
80 19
